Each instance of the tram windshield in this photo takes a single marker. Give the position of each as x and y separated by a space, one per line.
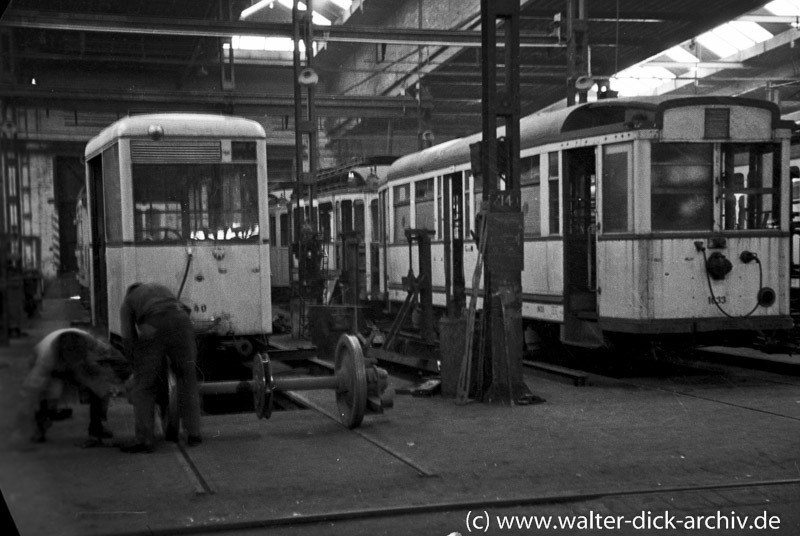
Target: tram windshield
684 191
179 202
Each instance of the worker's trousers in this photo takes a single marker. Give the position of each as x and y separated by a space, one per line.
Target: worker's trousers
166 337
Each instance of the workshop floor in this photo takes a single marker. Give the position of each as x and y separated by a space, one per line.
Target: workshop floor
705 449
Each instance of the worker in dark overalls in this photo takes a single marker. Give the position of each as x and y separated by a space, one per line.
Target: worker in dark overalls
69 364
156 330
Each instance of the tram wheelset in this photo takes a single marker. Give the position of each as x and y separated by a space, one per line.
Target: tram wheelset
357 385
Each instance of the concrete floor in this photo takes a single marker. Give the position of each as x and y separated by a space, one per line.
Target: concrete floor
717 444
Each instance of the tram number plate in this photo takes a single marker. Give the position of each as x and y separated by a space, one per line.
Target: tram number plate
720 300
505 248
505 201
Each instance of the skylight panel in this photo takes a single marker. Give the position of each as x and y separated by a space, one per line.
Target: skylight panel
271 44
316 18
248 42
752 30
733 37
717 44
344 4
680 54
640 80
255 8
787 8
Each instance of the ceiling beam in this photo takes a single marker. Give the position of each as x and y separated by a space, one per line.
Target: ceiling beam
771 19
696 64
207 28
327 105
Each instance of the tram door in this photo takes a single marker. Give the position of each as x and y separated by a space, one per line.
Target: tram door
96 199
580 252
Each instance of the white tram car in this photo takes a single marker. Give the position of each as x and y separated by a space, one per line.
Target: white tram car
181 200
643 217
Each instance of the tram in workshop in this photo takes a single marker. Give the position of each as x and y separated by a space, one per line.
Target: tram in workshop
176 199
347 211
645 219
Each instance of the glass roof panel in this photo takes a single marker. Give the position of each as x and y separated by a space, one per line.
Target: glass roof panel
678 53
733 37
752 30
788 8
717 44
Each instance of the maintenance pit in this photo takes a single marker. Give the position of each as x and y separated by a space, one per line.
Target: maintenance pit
618 446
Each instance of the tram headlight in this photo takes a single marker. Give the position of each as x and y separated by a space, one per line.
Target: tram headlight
156 132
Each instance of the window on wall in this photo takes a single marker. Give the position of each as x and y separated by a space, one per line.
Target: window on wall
750 189
553 197
402 212
682 187
424 205
616 173
530 178
176 202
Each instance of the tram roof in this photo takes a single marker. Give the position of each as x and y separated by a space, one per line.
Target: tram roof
546 127
177 125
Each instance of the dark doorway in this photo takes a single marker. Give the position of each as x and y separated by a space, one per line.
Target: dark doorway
580 255
69 179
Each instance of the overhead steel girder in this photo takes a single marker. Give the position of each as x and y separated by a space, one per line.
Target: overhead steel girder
327 105
207 28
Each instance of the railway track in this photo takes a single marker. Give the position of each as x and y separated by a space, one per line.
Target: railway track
444 512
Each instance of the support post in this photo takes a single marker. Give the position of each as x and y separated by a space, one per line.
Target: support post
577 50
502 380
305 236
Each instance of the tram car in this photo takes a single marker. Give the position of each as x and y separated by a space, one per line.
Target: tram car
645 219
181 200
347 209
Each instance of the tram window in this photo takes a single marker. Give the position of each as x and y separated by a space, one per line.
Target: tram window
243 150
346 212
530 176
358 218
682 182
111 193
553 196
467 214
325 211
284 219
616 172
374 217
423 201
440 206
530 171
750 192
195 201
402 213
